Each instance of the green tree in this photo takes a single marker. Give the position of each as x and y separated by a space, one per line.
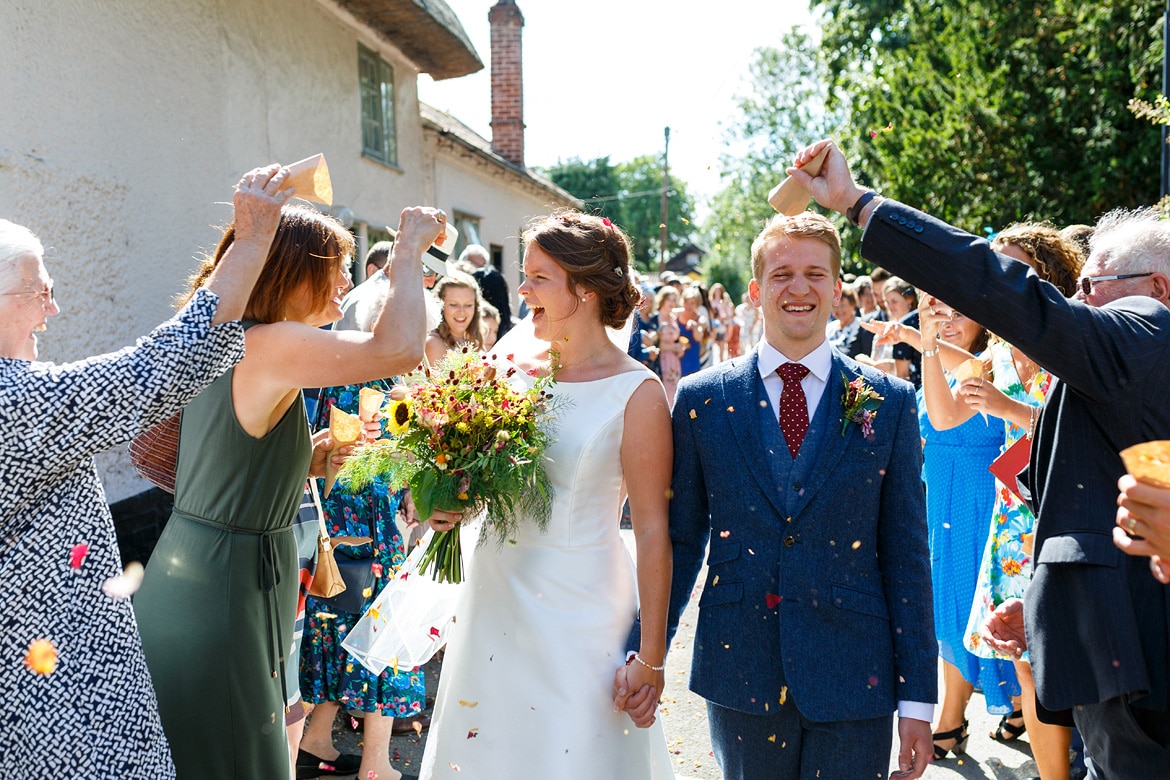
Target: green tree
999 112
783 111
641 210
630 194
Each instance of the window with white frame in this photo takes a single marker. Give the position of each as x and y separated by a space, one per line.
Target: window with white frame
379 139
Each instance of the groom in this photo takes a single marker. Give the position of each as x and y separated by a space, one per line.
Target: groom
815 621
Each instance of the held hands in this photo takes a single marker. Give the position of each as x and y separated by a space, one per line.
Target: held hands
257 203
1003 630
1143 524
635 690
892 333
833 187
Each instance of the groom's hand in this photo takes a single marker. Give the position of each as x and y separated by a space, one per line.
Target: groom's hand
915 748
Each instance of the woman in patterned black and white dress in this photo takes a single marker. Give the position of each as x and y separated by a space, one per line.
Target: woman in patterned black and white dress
94 715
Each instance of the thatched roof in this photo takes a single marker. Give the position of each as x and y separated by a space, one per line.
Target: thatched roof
426 31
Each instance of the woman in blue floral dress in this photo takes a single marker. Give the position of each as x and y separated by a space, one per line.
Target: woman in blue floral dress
329 677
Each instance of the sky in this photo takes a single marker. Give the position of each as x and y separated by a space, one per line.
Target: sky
605 77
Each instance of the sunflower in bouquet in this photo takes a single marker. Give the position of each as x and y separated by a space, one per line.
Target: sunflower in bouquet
465 435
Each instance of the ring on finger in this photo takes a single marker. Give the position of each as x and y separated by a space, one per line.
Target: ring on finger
1131 525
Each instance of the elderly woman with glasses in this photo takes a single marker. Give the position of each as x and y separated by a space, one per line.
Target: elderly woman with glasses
81 704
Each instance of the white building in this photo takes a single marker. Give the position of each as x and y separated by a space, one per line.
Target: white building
127 122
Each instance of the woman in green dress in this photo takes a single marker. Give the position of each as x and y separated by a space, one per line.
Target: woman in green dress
217 606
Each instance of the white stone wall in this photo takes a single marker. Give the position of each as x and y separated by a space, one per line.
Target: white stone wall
125 124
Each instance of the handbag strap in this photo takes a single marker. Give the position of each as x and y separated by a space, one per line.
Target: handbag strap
320 514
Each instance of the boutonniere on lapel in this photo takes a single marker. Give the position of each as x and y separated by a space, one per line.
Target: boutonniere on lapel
861 403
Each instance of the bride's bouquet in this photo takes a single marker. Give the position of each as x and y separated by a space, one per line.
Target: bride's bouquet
465 435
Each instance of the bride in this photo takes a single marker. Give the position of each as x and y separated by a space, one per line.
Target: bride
536 665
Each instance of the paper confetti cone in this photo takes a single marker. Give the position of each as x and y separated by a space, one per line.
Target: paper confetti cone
345 429
369 402
789 197
309 179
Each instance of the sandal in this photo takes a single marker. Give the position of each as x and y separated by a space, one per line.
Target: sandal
959 735
1007 731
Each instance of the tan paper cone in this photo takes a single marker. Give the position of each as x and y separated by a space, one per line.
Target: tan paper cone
309 179
369 402
1149 462
789 197
345 429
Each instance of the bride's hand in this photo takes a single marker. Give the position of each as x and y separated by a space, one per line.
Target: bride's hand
441 521
636 691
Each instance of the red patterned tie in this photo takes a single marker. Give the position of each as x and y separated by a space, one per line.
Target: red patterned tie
793 406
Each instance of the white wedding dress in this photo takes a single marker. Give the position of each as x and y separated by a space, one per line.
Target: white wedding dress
541 626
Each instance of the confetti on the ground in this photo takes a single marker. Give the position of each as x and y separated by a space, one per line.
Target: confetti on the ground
41 657
77 554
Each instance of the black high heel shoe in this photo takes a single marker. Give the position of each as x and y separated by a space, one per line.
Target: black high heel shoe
1007 731
960 736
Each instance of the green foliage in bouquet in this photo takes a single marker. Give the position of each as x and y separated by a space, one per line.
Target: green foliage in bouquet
466 436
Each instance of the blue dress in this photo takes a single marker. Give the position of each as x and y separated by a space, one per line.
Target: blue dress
960 494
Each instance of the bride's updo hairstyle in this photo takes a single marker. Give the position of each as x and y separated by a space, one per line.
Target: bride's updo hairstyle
596 254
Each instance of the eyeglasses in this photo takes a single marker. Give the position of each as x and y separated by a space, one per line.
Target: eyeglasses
1086 282
46 295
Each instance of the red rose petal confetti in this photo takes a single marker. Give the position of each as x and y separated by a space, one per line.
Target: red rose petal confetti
77 554
771 599
473 733
434 632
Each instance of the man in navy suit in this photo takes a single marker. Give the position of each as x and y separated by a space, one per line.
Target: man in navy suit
815 620
1096 624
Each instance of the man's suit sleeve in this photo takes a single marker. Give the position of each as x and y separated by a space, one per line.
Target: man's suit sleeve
905 556
1099 351
690 524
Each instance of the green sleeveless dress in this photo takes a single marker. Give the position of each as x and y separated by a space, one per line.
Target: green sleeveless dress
217 605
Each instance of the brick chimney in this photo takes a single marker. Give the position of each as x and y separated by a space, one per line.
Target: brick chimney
507 82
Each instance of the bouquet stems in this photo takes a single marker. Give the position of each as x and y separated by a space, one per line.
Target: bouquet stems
445 555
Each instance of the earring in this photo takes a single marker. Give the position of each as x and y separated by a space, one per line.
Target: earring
584 298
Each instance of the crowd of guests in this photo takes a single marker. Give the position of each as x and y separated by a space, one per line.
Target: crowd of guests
984 342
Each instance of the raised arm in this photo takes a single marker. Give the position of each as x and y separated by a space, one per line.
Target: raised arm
257 204
292 354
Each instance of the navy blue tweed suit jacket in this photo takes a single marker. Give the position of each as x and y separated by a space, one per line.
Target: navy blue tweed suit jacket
851 631
1098 624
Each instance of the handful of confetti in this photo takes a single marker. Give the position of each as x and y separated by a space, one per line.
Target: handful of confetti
1149 462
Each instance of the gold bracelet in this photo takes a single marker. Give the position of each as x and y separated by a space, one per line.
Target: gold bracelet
638 658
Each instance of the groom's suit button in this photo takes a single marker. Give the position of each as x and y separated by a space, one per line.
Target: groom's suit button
789 541
796 486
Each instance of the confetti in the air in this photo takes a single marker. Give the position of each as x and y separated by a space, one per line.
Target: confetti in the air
124 585
41 657
77 554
